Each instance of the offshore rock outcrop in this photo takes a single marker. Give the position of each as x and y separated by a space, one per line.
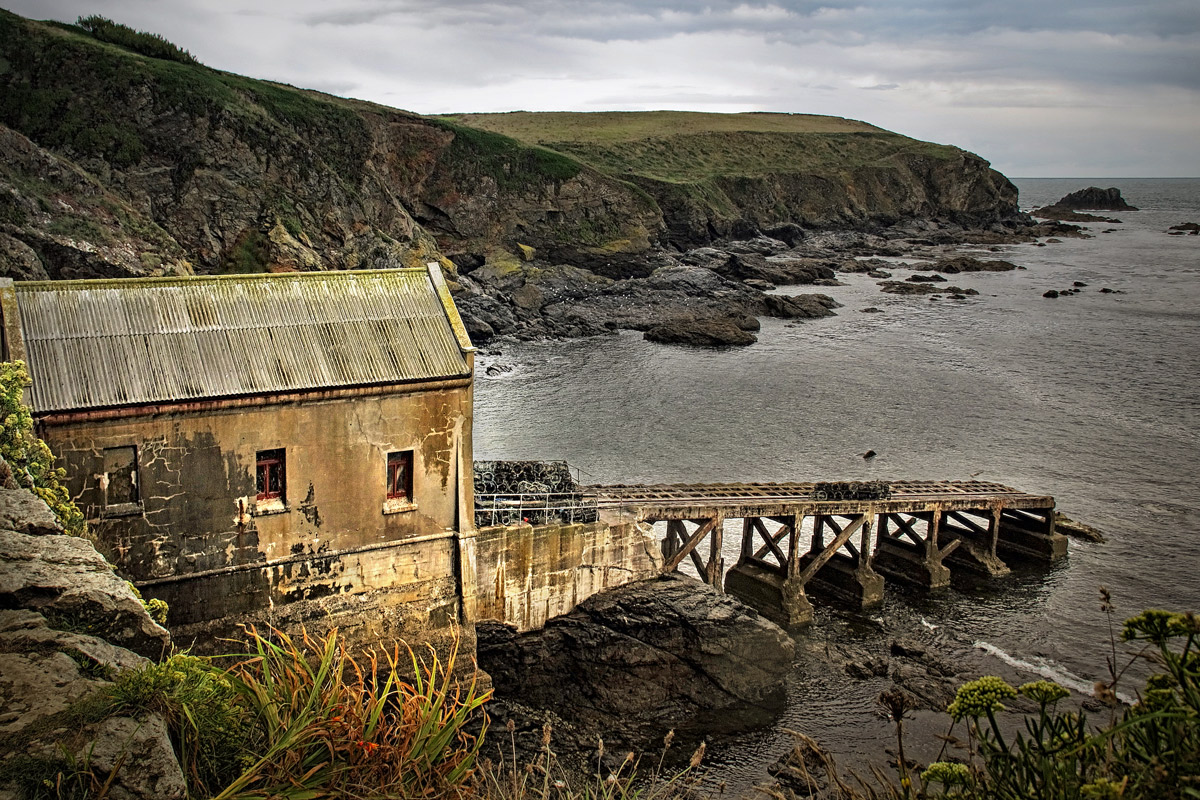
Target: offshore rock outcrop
1094 198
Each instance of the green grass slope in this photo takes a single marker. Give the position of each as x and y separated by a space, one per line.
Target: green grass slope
690 147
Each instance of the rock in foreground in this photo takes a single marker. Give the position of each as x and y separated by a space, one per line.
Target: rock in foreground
68 624
648 657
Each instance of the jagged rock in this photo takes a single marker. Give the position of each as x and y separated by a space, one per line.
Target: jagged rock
1077 530
763 245
779 271
19 262
904 287
871 310
919 278
798 306
1190 228
47 674
1096 199
64 578
1052 293
636 661
701 332
24 512
953 266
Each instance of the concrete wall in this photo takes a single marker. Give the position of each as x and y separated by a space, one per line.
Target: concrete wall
525 575
334 549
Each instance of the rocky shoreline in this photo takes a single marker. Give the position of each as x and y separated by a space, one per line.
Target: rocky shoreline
714 295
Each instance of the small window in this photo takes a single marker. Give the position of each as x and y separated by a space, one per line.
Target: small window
399 476
271 480
120 478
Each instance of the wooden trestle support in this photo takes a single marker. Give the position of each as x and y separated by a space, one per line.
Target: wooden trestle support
842 549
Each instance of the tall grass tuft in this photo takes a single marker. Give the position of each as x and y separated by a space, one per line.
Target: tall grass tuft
327 725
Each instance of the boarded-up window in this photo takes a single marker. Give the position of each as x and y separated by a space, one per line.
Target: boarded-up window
270 479
399 475
120 472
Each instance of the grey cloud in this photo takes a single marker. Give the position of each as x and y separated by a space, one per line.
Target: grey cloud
881 87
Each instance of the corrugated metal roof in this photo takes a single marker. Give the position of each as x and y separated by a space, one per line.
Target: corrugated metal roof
96 344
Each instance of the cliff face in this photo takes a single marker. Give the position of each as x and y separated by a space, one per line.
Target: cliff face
728 175
118 164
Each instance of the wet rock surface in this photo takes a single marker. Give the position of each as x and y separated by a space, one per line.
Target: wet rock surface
680 294
701 332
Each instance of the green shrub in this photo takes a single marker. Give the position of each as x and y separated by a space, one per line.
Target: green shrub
148 44
30 459
1151 751
211 730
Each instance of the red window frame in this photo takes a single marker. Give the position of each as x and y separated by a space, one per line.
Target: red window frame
400 475
271 464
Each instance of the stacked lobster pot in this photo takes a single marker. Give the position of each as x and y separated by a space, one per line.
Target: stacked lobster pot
529 492
852 490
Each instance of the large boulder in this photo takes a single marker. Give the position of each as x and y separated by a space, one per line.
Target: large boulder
634 662
701 332
66 580
51 720
958 264
798 306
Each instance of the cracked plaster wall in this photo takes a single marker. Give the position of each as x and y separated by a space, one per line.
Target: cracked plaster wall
331 553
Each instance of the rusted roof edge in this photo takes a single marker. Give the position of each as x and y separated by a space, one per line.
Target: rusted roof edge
443 293
85 283
204 404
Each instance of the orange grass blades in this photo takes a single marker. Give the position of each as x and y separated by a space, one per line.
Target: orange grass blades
330 726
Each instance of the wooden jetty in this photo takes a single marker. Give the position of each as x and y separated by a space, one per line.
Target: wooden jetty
798 537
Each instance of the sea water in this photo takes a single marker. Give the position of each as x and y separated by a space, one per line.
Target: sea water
1093 398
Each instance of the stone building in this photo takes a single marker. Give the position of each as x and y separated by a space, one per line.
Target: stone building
268 448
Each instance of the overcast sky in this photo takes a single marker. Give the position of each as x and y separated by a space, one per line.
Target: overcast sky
1063 88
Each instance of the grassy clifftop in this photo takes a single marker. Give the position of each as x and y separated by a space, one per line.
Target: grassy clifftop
682 146
710 173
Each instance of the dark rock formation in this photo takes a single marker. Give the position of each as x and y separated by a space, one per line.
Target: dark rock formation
1094 198
701 332
904 287
798 306
958 264
634 662
1190 228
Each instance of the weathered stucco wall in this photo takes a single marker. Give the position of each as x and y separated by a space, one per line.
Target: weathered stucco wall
526 575
334 545
407 590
